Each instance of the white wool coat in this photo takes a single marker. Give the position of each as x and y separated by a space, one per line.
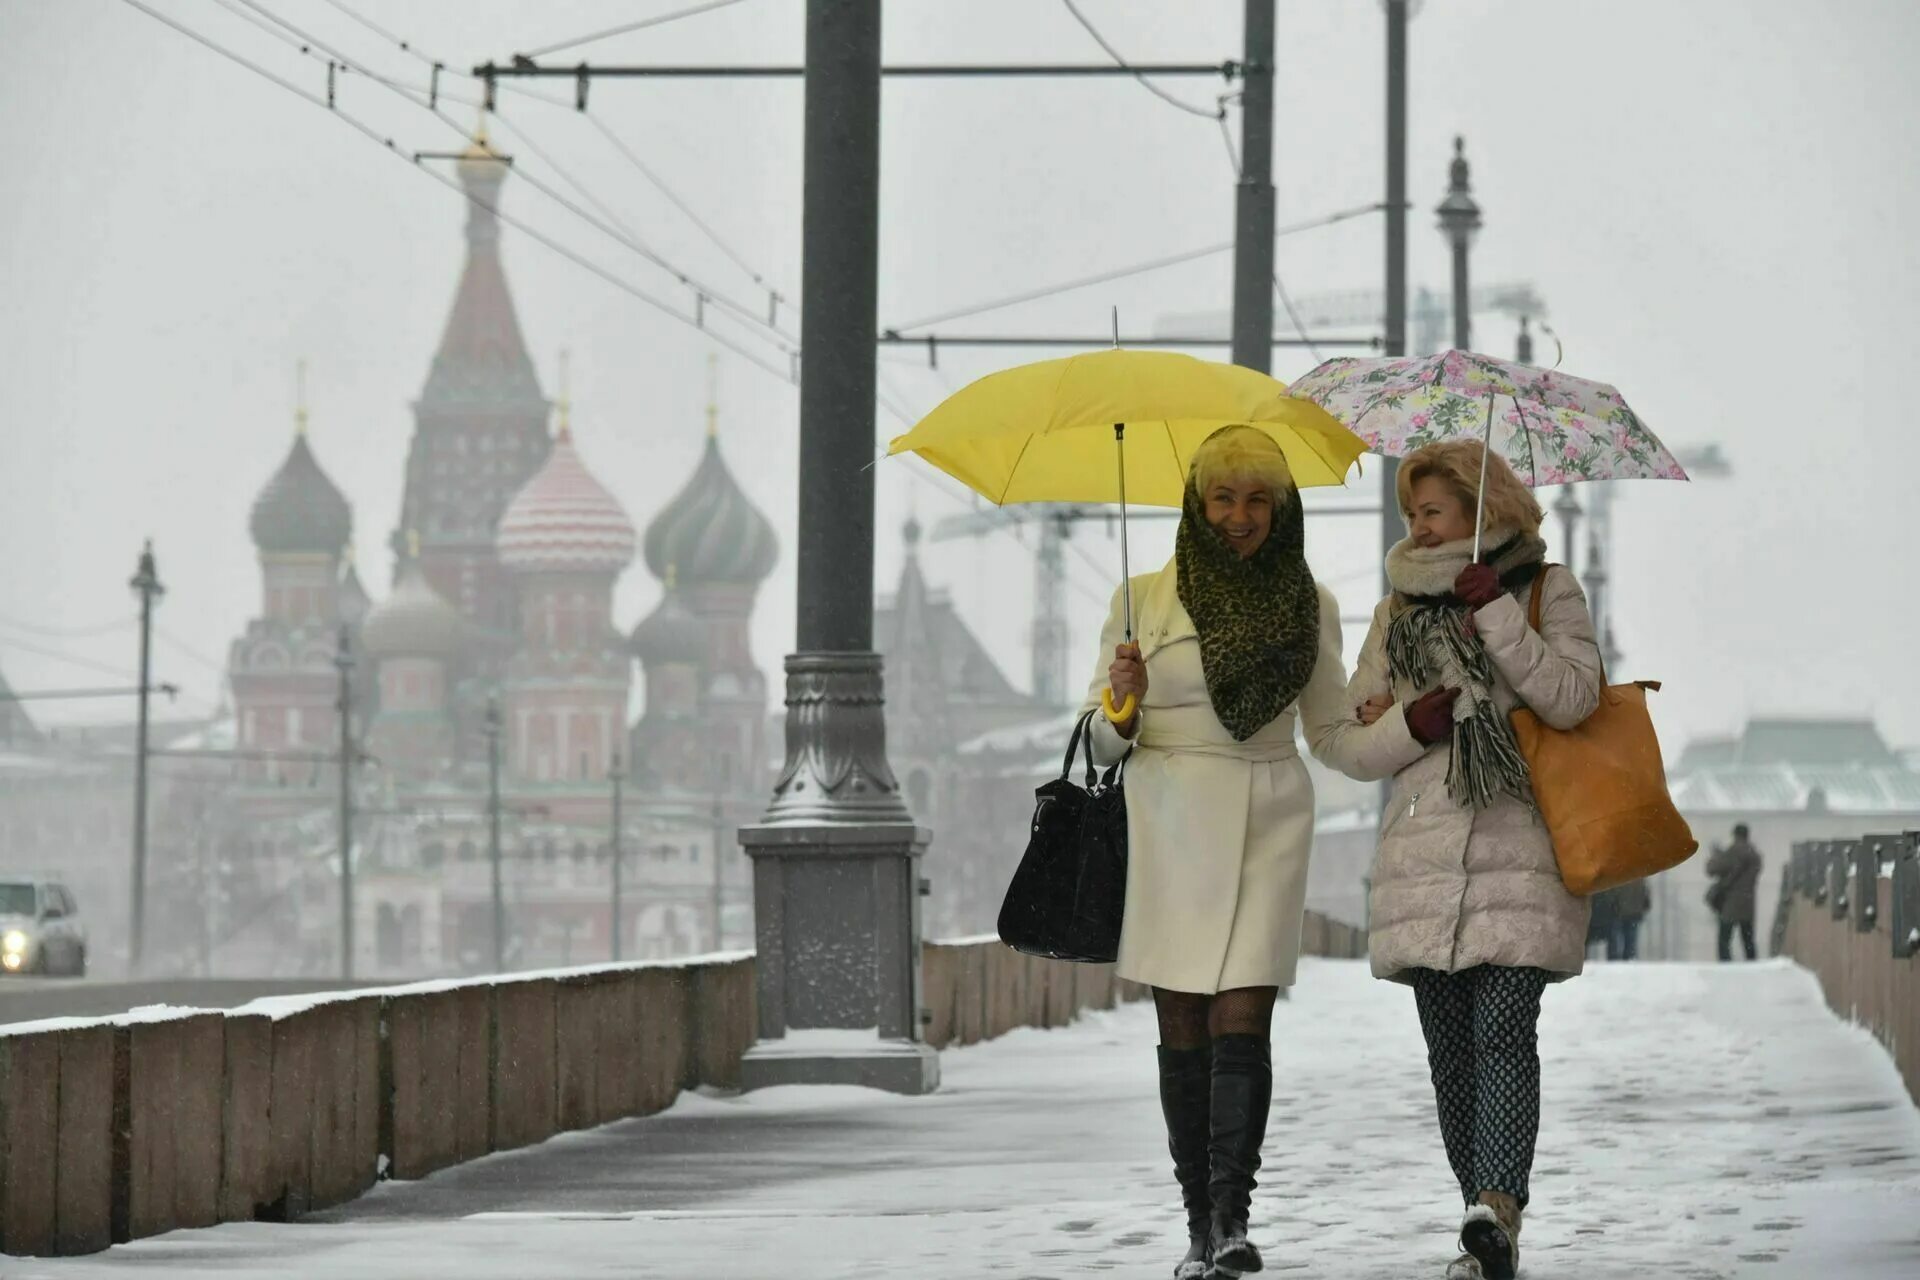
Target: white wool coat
1219 832
1453 887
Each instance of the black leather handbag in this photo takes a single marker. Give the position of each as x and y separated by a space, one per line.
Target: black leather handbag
1069 894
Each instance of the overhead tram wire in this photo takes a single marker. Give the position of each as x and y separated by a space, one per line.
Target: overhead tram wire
1121 273
658 20
421 98
387 144
759 278
1218 113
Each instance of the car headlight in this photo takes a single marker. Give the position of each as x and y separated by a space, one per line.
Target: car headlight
15 941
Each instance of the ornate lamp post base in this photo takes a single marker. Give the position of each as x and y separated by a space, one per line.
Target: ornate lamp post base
836 895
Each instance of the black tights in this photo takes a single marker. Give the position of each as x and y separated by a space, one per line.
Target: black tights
1191 1021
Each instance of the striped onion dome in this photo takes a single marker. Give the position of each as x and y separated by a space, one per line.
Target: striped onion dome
565 521
711 534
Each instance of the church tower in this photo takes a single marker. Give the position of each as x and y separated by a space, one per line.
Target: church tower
480 431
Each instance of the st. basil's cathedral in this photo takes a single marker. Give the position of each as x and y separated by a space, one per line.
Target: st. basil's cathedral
499 625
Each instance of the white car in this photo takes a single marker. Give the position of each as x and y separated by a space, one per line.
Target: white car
40 929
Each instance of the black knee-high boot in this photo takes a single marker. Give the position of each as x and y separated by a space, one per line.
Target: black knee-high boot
1242 1095
1186 1098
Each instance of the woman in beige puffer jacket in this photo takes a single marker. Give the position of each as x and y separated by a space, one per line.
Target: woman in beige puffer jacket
1467 905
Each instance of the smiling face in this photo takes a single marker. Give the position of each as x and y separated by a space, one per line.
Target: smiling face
1437 514
1242 510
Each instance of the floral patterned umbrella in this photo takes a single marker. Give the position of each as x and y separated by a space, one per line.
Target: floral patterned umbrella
1558 429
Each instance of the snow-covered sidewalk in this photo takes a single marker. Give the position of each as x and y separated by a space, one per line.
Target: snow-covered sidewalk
1700 1123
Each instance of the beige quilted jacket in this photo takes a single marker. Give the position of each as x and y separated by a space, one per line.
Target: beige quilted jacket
1454 888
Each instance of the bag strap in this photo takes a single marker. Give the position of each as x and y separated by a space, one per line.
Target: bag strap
1533 620
1080 730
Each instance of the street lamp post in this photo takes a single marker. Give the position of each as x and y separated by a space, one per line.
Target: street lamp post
1460 222
146 584
343 664
836 858
492 731
617 776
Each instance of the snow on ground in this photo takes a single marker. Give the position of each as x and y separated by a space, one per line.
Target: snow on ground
1701 1123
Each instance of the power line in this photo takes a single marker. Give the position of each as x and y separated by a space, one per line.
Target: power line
72 659
1216 114
641 25
182 647
706 230
69 633
1140 268
1280 290
612 227
386 143
659 183
406 46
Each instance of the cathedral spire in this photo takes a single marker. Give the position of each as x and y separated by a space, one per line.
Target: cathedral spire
713 397
300 397
563 405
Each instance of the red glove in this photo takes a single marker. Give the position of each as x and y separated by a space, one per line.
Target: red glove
1430 718
1478 585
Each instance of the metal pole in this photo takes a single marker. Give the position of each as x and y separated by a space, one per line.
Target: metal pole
838 300
493 832
146 581
1460 219
1253 200
719 844
614 933
1392 527
343 662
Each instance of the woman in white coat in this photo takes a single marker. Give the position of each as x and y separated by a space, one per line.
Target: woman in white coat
1467 904
1234 642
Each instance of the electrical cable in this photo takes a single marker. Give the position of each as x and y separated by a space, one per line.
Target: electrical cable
656 21
1149 85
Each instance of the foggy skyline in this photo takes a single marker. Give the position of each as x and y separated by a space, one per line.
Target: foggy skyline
1709 198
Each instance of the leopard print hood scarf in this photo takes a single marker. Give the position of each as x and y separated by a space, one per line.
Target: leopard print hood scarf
1257 619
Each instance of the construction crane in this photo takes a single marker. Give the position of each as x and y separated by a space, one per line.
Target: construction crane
1051 640
1431 313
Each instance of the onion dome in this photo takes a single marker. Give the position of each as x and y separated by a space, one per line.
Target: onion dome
712 531
413 622
670 633
564 521
301 510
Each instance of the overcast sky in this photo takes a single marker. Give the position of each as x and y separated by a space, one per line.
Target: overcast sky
1716 199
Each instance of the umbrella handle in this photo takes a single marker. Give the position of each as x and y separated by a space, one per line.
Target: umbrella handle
1121 714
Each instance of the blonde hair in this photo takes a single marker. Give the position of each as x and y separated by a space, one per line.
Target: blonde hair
1456 463
1241 452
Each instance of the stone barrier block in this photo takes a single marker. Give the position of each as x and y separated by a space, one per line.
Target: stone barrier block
170 1082
346 1100
83 1164
617 1057
723 1021
663 1008
936 995
576 1029
524 1092
290 1104
246 1156
436 1079
1058 981
29 1142
970 991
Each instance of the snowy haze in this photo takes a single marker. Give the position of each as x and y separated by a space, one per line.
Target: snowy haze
1714 198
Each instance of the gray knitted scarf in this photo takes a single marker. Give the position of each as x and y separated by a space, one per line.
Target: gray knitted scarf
1432 645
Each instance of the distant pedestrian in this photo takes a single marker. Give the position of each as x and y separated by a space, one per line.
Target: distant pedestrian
1629 905
1736 884
1600 923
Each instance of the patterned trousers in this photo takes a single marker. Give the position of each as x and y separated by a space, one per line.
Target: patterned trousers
1483 1050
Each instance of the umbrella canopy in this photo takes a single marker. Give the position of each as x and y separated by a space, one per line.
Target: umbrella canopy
1553 429
1045 432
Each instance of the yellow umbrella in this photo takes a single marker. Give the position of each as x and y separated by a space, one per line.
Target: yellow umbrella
1040 433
